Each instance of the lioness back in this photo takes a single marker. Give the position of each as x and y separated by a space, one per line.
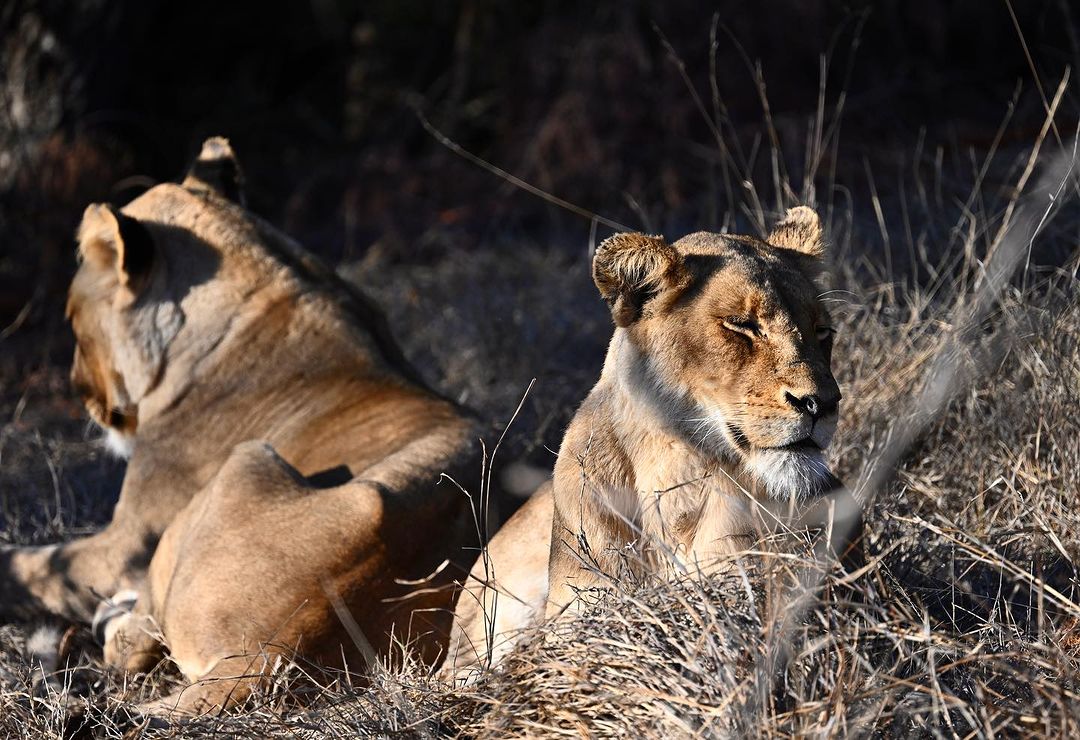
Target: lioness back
282 494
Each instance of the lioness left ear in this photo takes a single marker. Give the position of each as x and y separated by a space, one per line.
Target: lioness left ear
110 239
216 169
629 269
800 231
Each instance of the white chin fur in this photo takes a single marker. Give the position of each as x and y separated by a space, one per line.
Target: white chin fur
789 474
118 444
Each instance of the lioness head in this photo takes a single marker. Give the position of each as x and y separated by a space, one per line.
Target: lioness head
731 343
121 305
115 261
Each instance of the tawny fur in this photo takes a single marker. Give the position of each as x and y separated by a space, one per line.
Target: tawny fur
678 458
284 456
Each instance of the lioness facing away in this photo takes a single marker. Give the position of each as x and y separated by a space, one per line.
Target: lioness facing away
706 427
284 457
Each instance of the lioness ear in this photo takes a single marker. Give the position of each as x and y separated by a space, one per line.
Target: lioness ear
216 169
799 231
629 269
109 239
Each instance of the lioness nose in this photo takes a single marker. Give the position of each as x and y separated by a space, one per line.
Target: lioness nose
812 405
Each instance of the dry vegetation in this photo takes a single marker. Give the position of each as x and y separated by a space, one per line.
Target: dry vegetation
960 433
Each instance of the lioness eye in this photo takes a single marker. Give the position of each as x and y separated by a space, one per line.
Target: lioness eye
742 325
825 333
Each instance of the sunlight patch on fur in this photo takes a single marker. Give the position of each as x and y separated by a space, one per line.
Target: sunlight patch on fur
118 444
43 648
788 474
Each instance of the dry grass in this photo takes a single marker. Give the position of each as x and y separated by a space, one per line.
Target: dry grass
954 630
964 623
960 431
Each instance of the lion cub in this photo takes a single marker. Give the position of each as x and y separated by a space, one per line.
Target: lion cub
707 426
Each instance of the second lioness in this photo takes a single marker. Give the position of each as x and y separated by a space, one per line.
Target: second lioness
707 425
282 498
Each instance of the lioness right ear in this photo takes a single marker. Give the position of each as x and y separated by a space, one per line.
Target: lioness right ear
216 169
800 230
110 239
629 269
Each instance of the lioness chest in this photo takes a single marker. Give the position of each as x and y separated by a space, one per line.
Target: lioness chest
692 510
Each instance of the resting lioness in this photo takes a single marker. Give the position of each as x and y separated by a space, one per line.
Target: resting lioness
285 459
707 425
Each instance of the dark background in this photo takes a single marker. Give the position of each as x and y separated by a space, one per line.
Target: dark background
100 100
105 98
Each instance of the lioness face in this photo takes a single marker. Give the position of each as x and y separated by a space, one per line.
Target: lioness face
736 348
752 359
112 364
93 376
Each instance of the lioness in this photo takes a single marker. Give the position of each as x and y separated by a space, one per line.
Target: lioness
281 495
715 402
